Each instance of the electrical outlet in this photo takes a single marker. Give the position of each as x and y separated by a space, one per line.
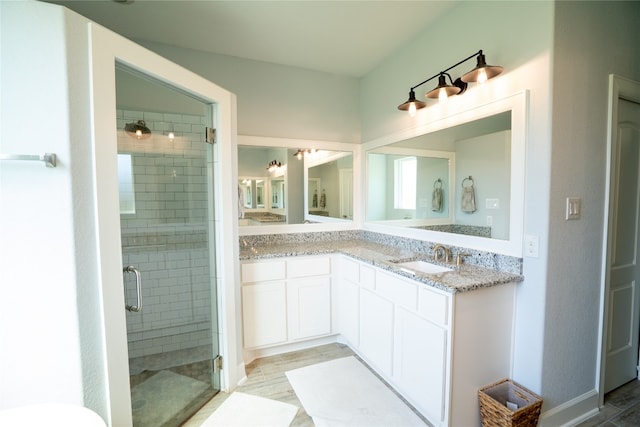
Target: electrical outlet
531 244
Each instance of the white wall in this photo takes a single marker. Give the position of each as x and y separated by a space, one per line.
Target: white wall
592 40
276 100
518 36
487 160
50 316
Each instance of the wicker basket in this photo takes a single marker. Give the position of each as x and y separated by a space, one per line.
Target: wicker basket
493 405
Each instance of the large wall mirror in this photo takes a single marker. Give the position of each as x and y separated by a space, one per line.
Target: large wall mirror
457 181
289 185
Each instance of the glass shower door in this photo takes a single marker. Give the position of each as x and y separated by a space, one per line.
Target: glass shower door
166 216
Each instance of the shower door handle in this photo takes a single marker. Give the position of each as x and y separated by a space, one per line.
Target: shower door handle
135 308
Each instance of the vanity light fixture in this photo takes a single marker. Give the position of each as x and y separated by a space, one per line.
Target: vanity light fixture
480 74
138 130
444 90
273 165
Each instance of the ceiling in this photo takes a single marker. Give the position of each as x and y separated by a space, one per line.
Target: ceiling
340 37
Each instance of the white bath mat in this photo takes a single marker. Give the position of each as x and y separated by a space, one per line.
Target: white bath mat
163 396
246 410
343 392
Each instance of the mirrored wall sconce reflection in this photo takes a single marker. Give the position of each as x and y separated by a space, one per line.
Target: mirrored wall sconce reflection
274 165
171 136
138 130
481 73
304 153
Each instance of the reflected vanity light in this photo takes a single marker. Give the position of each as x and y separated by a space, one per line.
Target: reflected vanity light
481 73
171 136
274 165
304 153
138 130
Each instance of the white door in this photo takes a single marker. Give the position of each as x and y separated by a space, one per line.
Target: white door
624 295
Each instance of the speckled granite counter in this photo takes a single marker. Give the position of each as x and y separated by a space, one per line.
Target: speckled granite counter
467 277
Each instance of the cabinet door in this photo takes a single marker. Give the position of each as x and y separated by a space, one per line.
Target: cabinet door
309 302
376 330
349 312
264 313
419 366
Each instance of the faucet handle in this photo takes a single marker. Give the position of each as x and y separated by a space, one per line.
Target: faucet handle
460 258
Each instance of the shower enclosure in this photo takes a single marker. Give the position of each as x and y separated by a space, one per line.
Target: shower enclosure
168 249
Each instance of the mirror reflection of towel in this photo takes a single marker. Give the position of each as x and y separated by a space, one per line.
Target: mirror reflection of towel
436 200
468 199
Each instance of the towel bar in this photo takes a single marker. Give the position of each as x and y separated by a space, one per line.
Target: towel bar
49 159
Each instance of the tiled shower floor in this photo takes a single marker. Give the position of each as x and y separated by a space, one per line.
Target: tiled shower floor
183 389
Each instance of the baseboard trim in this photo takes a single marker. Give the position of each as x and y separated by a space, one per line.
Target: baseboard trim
241 368
249 355
572 412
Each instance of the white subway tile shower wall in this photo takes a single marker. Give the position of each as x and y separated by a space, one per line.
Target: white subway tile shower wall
167 237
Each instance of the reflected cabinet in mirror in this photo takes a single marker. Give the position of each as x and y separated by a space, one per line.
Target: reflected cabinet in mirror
463 176
285 185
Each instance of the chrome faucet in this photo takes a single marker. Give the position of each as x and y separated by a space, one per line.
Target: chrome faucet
446 253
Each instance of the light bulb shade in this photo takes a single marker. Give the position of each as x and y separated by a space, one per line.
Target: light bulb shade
482 70
449 90
412 101
273 165
138 130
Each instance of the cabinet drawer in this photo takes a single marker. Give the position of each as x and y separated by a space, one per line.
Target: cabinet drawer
433 306
397 290
350 270
262 271
306 267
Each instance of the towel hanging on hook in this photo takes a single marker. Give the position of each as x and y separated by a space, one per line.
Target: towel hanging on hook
437 196
468 202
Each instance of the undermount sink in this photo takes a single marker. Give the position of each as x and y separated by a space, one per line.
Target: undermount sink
422 267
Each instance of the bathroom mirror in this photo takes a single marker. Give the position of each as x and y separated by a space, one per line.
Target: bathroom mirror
329 189
289 187
252 192
459 180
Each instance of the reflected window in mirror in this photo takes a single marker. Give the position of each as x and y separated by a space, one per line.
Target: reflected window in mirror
404 185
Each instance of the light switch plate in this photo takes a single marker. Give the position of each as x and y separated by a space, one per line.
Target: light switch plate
574 208
492 203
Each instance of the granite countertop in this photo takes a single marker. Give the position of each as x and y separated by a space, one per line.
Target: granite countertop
461 278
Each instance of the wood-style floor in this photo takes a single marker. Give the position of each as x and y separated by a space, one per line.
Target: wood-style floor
621 408
266 378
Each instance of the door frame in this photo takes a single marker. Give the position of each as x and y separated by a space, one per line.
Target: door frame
105 48
619 87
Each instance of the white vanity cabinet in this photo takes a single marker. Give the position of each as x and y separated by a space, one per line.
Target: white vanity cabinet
353 276
436 348
285 300
376 331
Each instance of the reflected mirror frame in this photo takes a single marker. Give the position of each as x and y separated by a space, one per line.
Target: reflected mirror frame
295 144
518 104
